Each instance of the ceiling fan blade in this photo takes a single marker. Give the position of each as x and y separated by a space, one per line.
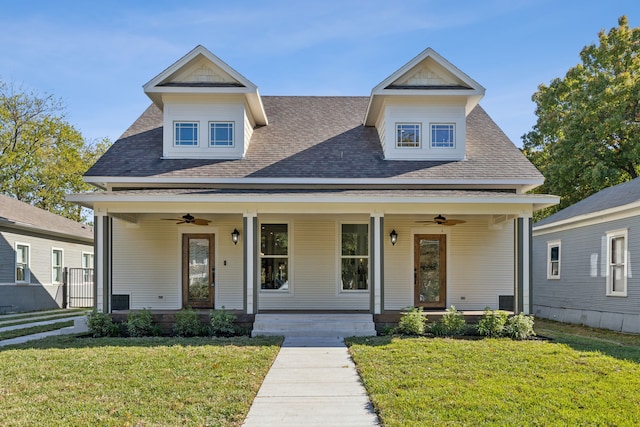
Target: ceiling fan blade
454 221
200 221
181 222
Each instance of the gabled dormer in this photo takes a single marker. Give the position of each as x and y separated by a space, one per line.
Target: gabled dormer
209 109
420 110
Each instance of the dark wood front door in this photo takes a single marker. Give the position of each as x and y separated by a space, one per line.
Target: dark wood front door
198 270
430 271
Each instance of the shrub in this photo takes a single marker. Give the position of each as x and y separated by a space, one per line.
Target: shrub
140 324
492 323
519 327
222 323
187 323
101 325
412 322
451 324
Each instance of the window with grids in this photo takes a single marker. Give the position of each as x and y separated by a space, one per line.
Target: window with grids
186 134
354 257
274 257
443 135
617 263
408 135
56 266
23 274
553 260
221 134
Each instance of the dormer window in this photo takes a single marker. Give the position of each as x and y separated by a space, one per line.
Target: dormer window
186 134
443 135
408 135
221 134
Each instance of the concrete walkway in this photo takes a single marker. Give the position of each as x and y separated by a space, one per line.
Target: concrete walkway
313 382
79 327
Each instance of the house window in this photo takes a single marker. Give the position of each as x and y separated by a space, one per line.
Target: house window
274 257
87 265
23 275
56 266
408 135
186 134
553 260
617 263
443 135
354 257
221 134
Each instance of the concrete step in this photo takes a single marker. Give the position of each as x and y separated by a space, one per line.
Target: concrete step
314 325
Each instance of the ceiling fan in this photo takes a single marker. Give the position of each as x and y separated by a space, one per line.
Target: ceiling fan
440 220
189 219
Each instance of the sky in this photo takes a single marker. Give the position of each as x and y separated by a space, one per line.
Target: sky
95 56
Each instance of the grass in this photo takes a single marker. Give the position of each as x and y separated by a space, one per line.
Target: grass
572 379
34 330
70 381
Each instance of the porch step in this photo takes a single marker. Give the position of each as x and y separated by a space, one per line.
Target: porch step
314 325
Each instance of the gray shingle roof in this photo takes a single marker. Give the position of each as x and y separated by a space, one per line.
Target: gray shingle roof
315 137
14 213
618 195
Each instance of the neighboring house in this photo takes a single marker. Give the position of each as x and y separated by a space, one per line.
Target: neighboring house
584 258
35 248
217 196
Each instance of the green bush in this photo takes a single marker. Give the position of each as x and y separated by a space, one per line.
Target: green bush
222 323
188 324
140 324
492 323
412 322
101 325
451 324
519 327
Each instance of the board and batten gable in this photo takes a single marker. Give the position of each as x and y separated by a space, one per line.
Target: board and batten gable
579 295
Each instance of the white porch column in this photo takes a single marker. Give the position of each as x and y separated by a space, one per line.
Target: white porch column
377 221
249 221
101 261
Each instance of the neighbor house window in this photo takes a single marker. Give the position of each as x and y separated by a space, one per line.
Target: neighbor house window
23 275
617 263
221 134
553 260
186 134
56 266
87 265
274 257
408 135
354 257
443 135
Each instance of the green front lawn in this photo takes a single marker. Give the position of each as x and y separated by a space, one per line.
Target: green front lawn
68 381
569 380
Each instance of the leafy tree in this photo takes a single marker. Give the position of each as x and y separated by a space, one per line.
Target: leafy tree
42 156
587 136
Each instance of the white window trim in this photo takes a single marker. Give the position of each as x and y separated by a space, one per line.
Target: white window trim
400 147
553 244
197 123
431 142
83 258
339 259
610 236
233 130
53 282
27 280
289 290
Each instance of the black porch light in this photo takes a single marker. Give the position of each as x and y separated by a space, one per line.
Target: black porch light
394 237
235 235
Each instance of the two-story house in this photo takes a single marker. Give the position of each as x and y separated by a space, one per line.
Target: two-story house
217 196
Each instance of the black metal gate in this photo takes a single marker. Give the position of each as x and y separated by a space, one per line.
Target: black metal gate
78 287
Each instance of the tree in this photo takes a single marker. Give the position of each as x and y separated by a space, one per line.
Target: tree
587 135
42 156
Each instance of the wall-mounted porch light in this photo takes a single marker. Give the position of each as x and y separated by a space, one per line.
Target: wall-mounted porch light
394 237
235 235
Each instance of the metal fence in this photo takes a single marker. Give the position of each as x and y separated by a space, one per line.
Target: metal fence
78 287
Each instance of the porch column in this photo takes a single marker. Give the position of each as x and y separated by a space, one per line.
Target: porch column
523 231
102 261
376 260
250 225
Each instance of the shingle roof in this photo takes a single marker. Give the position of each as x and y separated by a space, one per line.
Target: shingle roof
14 213
315 137
618 195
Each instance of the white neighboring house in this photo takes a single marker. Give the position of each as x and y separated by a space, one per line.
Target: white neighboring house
584 259
35 248
411 196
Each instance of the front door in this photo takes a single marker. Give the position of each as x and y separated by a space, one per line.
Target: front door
198 270
430 271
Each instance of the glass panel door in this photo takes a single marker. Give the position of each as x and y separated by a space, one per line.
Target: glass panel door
198 270
430 271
